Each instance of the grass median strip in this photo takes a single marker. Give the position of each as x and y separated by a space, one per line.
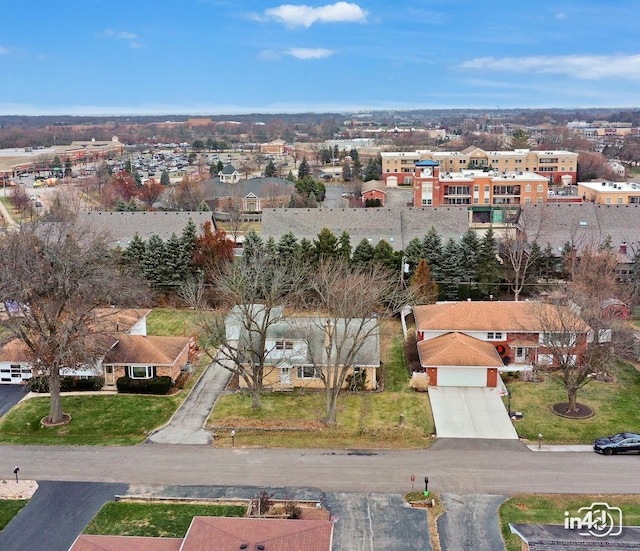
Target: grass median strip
169 520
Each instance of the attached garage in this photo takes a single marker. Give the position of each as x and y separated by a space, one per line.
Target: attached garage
456 359
461 376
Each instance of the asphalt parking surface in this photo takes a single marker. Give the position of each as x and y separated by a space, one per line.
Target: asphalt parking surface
10 395
470 523
56 514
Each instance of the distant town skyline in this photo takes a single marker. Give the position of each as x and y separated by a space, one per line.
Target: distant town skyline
208 57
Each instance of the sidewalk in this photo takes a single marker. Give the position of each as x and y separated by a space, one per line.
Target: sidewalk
559 448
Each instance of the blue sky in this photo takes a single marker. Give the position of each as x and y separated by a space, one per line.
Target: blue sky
106 57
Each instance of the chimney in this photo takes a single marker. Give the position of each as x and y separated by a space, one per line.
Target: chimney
623 248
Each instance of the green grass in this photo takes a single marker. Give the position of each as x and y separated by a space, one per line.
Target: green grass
171 322
169 520
9 508
366 420
96 420
549 509
615 405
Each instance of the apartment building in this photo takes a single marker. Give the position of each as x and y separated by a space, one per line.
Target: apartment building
610 193
434 187
558 167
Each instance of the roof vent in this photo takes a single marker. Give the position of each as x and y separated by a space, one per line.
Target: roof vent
260 547
244 546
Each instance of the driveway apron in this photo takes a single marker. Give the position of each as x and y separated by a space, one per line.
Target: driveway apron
470 412
187 424
470 523
56 514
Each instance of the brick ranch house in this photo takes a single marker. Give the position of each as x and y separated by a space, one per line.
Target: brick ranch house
128 350
471 343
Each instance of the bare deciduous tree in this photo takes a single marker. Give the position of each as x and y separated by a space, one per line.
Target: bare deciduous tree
57 274
352 303
258 291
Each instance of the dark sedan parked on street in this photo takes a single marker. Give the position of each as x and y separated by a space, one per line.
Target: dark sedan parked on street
618 443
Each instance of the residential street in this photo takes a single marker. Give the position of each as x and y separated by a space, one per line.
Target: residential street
462 469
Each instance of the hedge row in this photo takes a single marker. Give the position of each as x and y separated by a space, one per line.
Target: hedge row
157 385
67 384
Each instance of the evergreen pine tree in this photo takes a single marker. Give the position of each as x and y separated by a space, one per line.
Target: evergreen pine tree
326 245
432 252
490 273
288 247
451 270
344 246
362 254
384 255
253 245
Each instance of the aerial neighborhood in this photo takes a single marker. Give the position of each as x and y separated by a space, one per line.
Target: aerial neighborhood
389 284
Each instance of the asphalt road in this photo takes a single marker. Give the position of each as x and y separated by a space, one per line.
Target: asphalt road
55 515
463 470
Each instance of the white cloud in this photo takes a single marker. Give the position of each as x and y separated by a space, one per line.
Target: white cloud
132 38
588 67
305 16
560 15
309 53
3 50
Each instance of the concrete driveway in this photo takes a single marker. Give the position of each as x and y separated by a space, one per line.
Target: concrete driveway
470 412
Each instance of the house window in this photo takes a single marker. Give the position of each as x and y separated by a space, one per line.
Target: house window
284 345
307 372
494 335
540 188
527 188
545 359
620 200
141 371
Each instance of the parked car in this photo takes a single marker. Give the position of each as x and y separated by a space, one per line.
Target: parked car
618 443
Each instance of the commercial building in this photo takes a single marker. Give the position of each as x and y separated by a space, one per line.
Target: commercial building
558 167
610 193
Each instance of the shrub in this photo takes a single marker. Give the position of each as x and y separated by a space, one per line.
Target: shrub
67 384
160 385
357 382
157 385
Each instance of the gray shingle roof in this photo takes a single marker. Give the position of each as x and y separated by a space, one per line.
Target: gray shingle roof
121 227
582 224
398 226
260 187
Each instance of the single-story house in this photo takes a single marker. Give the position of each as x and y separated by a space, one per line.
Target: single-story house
469 343
225 534
122 334
299 349
374 189
252 195
145 357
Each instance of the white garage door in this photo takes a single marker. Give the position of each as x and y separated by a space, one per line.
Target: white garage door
461 376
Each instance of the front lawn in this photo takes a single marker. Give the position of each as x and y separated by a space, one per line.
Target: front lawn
365 420
120 419
615 405
550 509
9 508
167 520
